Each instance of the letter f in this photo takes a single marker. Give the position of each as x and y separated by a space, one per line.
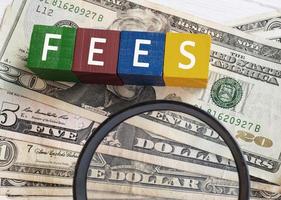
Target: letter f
47 47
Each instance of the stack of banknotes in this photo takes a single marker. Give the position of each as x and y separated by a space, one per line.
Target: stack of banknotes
44 124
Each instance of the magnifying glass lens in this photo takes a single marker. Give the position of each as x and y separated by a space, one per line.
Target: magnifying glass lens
170 157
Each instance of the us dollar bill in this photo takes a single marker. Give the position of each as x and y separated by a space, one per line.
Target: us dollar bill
239 66
16 187
98 196
274 35
266 25
107 173
258 23
30 189
35 122
95 195
27 118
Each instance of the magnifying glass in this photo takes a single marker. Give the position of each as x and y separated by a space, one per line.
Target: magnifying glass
126 162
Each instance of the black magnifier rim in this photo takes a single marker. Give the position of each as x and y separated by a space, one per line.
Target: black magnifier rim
85 157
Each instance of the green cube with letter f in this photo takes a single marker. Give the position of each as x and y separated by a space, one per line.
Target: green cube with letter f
51 52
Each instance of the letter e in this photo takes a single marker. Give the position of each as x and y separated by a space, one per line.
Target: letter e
93 50
139 52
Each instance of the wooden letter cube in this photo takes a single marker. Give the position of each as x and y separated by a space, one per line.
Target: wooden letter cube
51 52
96 56
187 60
141 56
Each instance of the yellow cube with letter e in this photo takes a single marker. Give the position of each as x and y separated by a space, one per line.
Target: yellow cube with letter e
187 60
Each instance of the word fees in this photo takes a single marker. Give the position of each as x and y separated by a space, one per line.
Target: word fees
119 57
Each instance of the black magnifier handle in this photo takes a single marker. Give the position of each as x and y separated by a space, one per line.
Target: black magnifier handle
85 157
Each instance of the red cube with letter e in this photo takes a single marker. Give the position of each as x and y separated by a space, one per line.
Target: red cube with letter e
96 56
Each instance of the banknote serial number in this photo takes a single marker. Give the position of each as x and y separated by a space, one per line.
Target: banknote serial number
246 136
74 9
235 121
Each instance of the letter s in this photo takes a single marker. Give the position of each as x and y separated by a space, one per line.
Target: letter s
188 55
